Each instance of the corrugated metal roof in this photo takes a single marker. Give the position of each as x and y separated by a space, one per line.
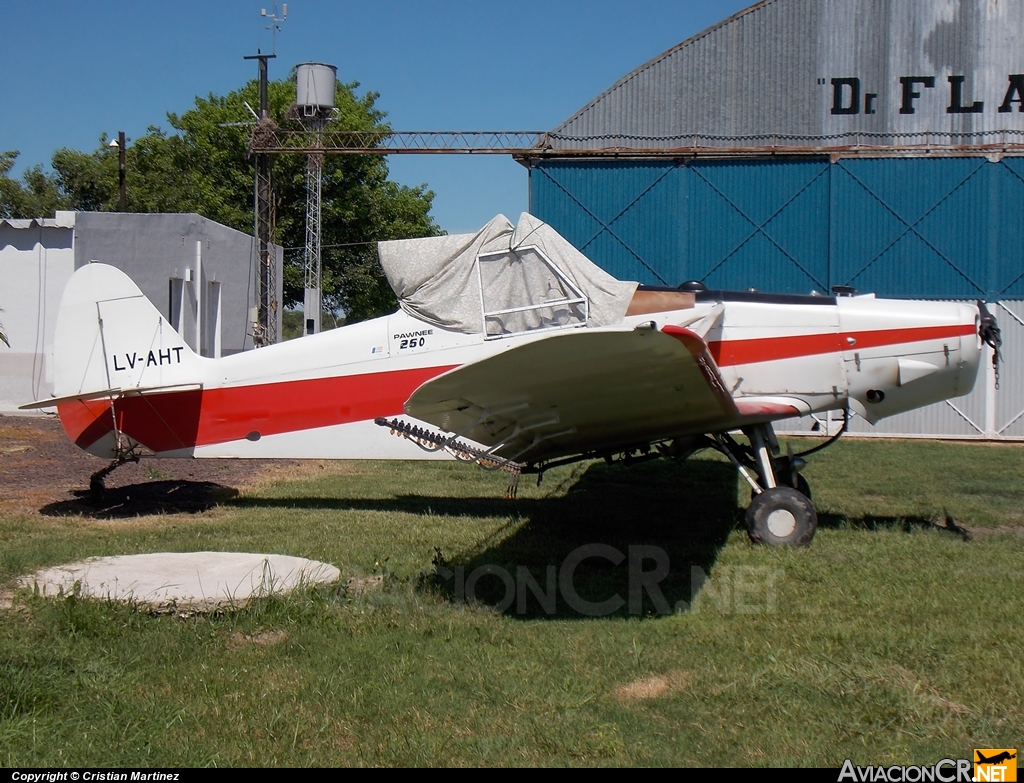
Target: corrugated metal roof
61 219
823 73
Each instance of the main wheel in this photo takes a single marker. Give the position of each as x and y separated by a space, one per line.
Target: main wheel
781 516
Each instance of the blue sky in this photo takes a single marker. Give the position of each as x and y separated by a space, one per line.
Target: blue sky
71 71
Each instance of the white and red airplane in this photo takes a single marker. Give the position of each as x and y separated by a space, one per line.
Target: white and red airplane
514 351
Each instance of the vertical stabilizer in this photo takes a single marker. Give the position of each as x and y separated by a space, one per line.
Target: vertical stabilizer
116 359
110 336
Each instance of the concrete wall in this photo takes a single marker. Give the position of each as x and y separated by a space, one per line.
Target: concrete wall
36 260
159 252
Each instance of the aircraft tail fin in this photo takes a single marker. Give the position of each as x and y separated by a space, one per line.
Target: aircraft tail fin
117 364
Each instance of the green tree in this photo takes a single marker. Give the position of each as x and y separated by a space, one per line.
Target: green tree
203 165
38 194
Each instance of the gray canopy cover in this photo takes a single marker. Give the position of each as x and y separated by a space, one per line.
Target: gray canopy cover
509 272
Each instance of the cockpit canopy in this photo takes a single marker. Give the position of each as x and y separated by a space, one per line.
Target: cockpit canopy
503 280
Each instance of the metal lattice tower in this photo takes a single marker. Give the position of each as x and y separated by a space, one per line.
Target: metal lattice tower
264 328
314 101
314 183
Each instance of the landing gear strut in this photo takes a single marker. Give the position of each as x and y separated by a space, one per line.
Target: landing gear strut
97 487
126 450
780 511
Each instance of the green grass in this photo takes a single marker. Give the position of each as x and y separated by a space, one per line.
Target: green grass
886 641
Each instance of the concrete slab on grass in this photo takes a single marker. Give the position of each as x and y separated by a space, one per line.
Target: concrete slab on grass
197 581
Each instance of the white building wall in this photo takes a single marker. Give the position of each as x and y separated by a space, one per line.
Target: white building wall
37 258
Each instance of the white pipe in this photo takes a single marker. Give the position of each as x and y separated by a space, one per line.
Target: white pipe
990 393
198 287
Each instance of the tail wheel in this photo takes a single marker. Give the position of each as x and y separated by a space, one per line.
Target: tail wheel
781 517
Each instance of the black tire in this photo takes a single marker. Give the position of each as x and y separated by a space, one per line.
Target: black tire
781 517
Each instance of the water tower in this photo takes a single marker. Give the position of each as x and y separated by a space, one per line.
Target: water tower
314 100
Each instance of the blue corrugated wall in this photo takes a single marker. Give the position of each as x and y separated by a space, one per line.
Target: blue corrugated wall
930 228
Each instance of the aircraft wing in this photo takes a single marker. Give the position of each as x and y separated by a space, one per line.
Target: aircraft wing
582 391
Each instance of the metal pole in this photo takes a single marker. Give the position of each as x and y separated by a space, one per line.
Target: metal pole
268 263
265 328
122 198
264 101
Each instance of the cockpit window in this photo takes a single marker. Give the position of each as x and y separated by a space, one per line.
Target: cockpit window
522 291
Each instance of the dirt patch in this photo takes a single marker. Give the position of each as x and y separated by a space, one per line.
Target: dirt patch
304 470
263 639
997 530
653 686
44 473
912 682
361 585
950 525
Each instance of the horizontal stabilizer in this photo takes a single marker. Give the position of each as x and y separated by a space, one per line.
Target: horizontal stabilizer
54 401
110 394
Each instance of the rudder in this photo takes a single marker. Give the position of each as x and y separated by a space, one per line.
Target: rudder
120 369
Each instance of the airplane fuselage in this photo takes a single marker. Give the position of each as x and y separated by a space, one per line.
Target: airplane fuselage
318 396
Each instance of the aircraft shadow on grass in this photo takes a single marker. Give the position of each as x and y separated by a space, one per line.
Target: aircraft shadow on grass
659 512
669 517
587 553
907 524
142 499
665 515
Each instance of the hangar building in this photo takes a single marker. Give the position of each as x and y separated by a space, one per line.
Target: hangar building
806 144
198 273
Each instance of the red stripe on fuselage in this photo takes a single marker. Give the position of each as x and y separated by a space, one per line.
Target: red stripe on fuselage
176 420
86 421
728 353
761 408
232 413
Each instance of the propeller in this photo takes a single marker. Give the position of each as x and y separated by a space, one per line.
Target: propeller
989 332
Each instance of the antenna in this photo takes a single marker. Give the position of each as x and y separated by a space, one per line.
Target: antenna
275 23
265 327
